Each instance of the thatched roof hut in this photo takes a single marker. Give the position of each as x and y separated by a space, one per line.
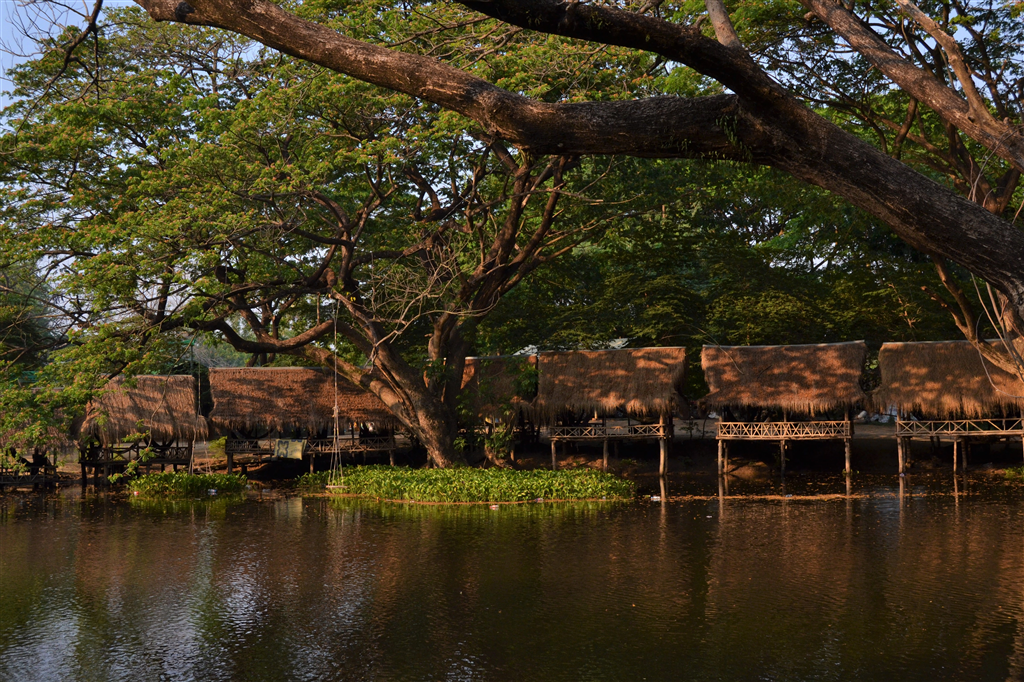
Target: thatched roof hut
644 382
943 379
163 406
278 398
805 379
499 387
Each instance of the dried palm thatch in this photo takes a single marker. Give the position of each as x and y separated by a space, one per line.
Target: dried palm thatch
279 398
165 407
804 379
644 382
500 387
943 379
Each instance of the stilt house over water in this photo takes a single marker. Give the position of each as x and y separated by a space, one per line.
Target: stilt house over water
945 390
164 410
800 381
579 391
257 407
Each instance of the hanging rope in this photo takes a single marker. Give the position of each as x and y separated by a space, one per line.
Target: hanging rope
337 476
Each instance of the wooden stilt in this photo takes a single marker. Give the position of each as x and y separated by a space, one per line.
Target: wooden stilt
955 457
721 457
965 449
554 454
663 465
782 456
604 456
848 448
85 479
899 454
391 457
231 461
725 456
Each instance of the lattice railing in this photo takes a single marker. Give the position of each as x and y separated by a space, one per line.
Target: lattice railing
249 446
814 430
361 444
971 427
599 432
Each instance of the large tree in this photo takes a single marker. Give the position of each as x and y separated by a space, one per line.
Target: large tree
193 184
761 118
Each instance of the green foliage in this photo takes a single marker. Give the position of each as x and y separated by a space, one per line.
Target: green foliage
183 484
1014 474
466 484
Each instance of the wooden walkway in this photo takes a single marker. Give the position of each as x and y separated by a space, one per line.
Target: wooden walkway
782 432
960 431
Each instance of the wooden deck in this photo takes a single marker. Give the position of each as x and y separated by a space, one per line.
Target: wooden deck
606 433
960 431
781 432
255 450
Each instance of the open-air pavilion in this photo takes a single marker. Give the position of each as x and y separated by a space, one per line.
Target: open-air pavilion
580 391
798 382
158 413
944 390
257 407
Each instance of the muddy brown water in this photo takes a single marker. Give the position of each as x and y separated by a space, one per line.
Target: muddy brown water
927 585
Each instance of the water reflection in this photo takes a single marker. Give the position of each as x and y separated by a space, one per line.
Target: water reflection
907 580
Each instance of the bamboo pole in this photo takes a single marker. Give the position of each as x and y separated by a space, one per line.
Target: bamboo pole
848 448
955 441
721 448
663 448
554 454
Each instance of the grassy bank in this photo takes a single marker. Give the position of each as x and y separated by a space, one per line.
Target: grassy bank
474 485
182 484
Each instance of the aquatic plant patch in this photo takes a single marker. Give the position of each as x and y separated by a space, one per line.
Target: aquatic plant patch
475 485
184 484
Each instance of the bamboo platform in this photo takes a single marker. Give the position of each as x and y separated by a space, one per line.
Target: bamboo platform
610 433
31 475
255 450
960 431
116 458
782 432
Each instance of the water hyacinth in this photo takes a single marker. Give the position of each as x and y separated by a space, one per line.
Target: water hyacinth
184 484
473 485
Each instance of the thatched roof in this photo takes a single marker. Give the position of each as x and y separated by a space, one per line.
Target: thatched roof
278 398
163 406
642 381
805 379
495 387
943 379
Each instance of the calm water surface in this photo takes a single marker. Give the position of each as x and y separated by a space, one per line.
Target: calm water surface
872 587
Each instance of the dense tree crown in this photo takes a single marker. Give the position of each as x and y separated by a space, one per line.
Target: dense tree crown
384 190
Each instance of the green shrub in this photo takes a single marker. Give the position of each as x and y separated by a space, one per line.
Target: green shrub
481 485
184 484
1014 473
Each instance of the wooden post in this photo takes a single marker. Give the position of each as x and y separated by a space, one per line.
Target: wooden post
85 480
604 454
782 458
725 455
899 453
231 461
955 441
663 447
848 470
965 449
391 457
721 457
554 454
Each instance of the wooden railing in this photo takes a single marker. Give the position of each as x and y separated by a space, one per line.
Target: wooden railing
599 432
814 430
320 446
960 427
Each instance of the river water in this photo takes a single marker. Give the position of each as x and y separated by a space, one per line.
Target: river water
875 586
